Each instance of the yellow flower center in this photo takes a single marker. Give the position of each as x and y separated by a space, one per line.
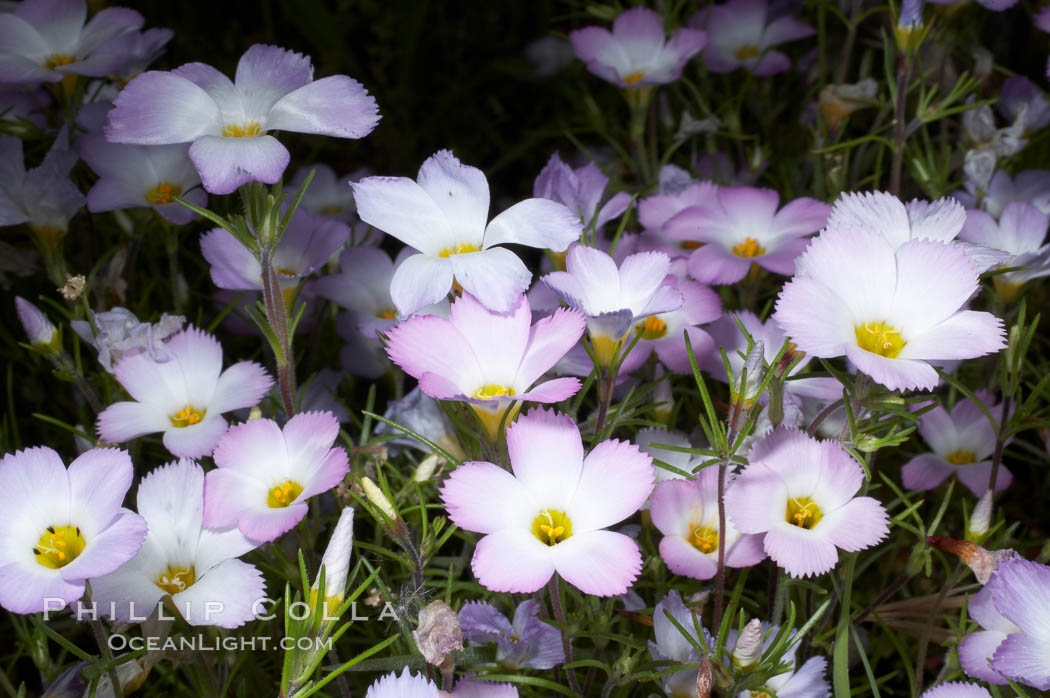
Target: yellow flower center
748 248
57 59
187 416
387 314
961 457
286 272
703 538
880 338
332 210
284 494
633 77
248 130
551 526
745 52
803 512
58 546
176 578
163 193
492 390
461 248
652 328
690 245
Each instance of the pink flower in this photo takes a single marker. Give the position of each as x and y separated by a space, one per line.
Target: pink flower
962 441
489 360
550 514
742 226
636 53
686 513
890 310
265 474
800 493
184 396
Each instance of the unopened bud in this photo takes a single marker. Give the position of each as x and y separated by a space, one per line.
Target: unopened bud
839 101
704 679
425 470
254 413
751 374
439 634
377 498
73 287
748 648
981 519
42 334
336 561
663 398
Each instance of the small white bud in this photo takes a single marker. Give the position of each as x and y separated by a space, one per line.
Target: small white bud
981 518
336 559
425 470
748 648
376 496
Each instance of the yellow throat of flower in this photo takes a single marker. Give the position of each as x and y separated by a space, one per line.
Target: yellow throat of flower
58 59
176 578
459 248
961 457
187 416
58 546
803 512
284 494
652 328
248 130
552 526
746 52
748 248
163 193
703 538
634 78
880 338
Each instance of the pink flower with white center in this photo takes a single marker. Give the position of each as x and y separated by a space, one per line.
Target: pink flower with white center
800 493
1021 234
654 211
742 228
63 526
228 122
184 396
742 36
486 359
889 310
45 40
408 685
963 441
614 299
194 565
686 513
636 53
443 215
662 334
550 514
265 474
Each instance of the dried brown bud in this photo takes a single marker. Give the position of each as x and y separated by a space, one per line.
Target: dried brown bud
74 287
704 679
438 635
982 562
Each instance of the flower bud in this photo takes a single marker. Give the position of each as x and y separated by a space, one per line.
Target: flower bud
336 562
42 334
438 635
981 518
981 561
425 470
663 398
748 648
375 495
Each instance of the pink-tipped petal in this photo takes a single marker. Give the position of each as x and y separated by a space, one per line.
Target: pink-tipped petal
602 563
505 504
512 560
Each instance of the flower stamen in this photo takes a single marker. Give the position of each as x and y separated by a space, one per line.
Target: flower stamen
283 494
58 546
803 512
187 416
552 526
748 248
880 338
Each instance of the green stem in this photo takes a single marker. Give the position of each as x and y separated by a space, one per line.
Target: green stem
559 615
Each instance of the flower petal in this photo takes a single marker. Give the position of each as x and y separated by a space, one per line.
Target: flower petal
157 108
512 560
602 563
226 163
541 223
485 498
336 106
616 479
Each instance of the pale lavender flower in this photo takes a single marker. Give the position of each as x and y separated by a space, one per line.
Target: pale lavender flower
524 643
228 123
1019 95
28 104
422 414
686 462
63 526
1021 234
742 227
580 190
800 493
742 35
116 333
44 197
442 215
1014 610
328 195
194 565
138 50
889 311
614 299
45 40
637 52
1032 186
957 689
670 646
806 681
130 176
